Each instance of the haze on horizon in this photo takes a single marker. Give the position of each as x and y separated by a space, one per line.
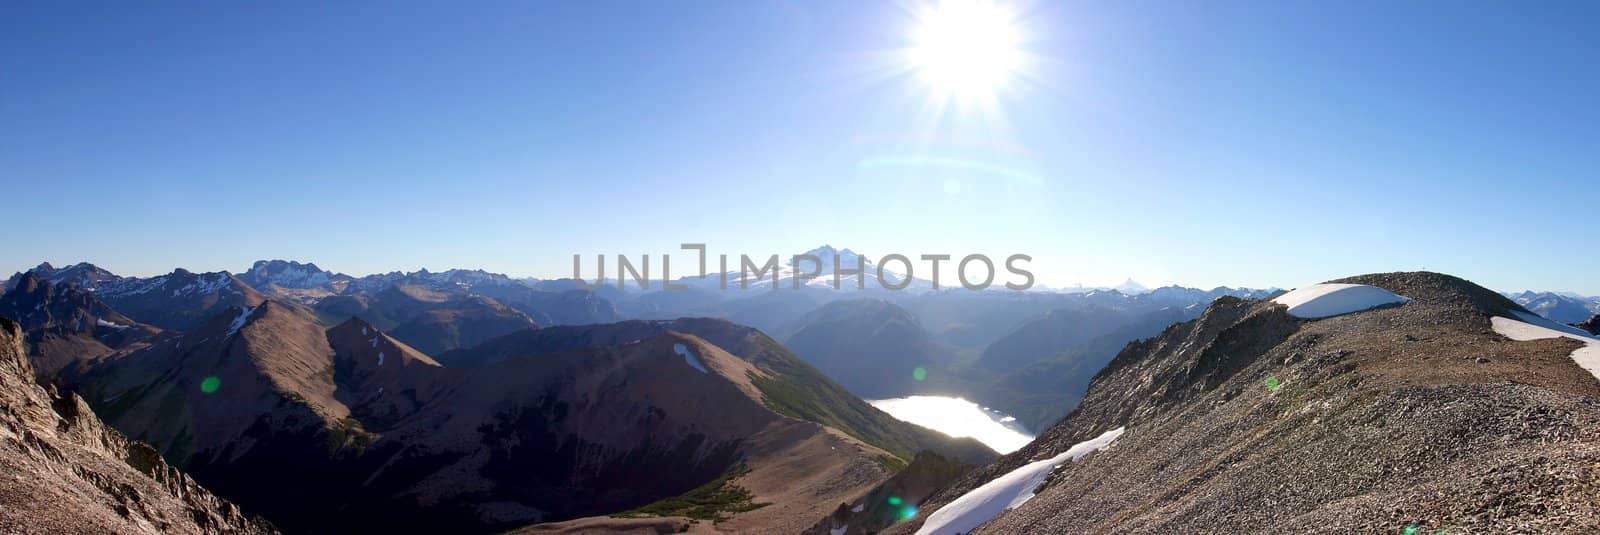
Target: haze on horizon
1242 144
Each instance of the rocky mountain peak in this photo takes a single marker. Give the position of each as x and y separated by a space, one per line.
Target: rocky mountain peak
30 282
267 274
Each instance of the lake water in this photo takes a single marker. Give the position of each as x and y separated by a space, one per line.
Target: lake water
959 418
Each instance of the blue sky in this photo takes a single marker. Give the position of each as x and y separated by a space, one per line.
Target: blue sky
1255 143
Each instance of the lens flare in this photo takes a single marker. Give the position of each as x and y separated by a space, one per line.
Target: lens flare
966 47
210 384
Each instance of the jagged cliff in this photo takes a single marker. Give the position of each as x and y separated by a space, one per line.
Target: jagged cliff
66 472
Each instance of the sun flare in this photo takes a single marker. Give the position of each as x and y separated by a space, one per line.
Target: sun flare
966 47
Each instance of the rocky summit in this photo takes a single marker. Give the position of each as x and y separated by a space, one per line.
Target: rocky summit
1414 417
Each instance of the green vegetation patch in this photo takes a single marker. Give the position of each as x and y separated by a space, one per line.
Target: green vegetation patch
711 501
349 432
892 463
798 390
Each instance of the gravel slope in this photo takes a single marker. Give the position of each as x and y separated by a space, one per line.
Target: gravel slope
1250 420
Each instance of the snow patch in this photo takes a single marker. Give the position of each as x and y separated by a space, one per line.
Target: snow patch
363 331
1006 492
1533 327
104 323
380 358
689 357
858 508
838 530
1541 321
239 321
1328 300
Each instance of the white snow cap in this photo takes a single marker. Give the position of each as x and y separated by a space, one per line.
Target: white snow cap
1006 492
1328 300
1534 327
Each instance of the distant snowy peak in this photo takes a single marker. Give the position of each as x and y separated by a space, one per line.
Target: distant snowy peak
296 275
287 274
1181 294
817 273
467 277
452 279
1564 307
180 283
83 275
1129 287
848 259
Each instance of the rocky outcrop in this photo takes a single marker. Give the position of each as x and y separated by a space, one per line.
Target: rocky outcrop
1592 324
66 472
894 500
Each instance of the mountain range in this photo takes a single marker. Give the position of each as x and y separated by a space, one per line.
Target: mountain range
540 424
467 401
1562 307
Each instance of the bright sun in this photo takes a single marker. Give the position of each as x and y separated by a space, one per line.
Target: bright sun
967 48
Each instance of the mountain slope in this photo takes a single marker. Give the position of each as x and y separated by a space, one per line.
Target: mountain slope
260 400
1041 393
790 386
246 403
871 347
1057 331
66 472
1374 421
429 319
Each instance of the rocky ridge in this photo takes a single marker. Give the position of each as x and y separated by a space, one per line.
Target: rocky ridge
67 472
